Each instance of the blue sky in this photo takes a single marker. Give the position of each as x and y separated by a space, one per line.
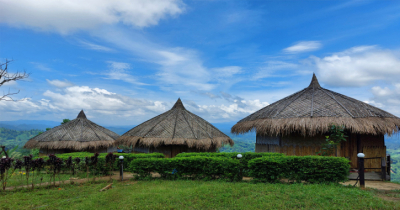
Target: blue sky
124 62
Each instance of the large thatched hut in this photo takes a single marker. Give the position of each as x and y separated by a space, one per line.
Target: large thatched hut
76 135
173 132
298 124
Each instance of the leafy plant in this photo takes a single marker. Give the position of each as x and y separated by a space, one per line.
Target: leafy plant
314 169
5 166
336 136
110 160
27 165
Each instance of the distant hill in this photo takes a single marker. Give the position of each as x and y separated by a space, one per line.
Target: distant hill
24 125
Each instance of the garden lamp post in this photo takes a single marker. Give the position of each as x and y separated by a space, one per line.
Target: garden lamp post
361 169
239 156
121 168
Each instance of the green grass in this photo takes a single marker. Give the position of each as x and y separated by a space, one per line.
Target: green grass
195 195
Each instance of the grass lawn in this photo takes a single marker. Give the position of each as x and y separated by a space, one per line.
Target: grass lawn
195 195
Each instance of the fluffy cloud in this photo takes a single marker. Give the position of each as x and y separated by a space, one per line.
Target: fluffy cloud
234 111
387 98
59 83
304 46
65 16
359 66
112 108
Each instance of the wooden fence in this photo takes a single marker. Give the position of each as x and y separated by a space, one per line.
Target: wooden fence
371 152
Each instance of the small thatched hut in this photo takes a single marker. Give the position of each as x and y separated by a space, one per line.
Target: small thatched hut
76 135
297 124
173 132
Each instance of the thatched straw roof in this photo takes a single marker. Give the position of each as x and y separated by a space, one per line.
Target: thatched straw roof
77 134
311 111
177 126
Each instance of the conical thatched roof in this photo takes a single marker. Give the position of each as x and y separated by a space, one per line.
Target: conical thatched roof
311 111
177 126
77 134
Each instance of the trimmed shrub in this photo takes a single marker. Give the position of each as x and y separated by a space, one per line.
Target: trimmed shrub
313 169
246 157
197 167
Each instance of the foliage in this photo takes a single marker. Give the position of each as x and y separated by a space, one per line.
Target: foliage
101 165
65 121
336 136
240 146
313 169
197 167
246 157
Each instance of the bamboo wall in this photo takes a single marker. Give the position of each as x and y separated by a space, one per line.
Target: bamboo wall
292 150
372 146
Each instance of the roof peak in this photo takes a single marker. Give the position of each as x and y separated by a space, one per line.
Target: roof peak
178 104
314 82
81 115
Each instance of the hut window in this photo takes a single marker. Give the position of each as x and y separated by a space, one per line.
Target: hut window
271 140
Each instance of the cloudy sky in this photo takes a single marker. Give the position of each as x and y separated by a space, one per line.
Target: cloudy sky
125 61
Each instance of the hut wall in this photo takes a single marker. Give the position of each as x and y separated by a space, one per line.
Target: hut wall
290 145
372 146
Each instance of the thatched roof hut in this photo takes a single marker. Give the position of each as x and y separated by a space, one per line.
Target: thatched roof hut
311 111
79 134
174 128
298 124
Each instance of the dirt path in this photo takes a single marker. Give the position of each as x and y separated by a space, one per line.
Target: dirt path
127 176
379 185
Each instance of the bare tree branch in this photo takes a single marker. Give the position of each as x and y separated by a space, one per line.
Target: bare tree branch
5 77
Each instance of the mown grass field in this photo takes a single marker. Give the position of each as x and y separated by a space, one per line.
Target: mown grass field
163 194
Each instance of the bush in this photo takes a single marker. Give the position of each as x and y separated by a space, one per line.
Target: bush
246 157
313 169
197 167
101 165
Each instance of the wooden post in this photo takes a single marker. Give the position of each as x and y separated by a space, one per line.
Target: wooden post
383 166
359 149
388 166
121 169
361 172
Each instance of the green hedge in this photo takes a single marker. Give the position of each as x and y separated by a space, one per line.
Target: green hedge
246 157
197 167
313 169
128 157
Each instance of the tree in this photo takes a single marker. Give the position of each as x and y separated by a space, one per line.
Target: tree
6 77
65 121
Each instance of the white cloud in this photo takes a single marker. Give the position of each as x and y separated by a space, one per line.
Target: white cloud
359 66
65 16
227 71
96 47
119 71
387 98
378 91
59 83
111 108
230 112
304 46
